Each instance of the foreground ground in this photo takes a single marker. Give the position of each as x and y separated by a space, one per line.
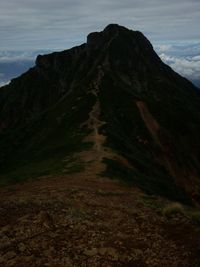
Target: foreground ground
78 220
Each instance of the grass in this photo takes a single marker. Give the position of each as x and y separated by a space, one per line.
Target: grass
32 170
176 209
74 168
153 202
194 216
173 209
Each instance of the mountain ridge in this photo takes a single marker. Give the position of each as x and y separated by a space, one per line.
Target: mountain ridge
113 92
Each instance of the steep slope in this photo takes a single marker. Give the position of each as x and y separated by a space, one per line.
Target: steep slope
110 106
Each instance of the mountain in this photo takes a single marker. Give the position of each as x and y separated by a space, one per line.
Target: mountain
197 83
109 106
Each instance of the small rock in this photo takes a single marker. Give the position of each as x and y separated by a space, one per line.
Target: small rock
113 254
5 229
137 253
22 247
67 262
110 252
24 218
45 220
9 255
28 258
124 258
11 263
102 251
90 252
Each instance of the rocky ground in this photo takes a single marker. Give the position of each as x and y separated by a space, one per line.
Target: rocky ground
86 220
78 220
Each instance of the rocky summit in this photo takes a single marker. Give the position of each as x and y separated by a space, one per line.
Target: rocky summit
100 159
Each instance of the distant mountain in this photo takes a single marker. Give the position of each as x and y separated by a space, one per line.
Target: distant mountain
197 83
112 100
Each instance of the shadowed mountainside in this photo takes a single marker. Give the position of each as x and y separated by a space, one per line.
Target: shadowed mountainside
110 106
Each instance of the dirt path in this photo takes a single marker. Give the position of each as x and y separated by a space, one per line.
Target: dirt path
93 158
86 220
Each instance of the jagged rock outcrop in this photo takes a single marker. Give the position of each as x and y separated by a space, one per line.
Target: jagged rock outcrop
149 116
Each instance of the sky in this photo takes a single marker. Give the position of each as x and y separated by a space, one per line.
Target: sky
31 27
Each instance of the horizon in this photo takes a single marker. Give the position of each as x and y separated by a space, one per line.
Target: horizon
183 58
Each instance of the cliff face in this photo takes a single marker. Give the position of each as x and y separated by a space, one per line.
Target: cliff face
112 95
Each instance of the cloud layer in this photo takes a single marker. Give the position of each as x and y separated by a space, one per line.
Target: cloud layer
188 67
184 58
14 63
60 24
19 56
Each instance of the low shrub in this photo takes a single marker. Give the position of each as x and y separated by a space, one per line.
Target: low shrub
173 209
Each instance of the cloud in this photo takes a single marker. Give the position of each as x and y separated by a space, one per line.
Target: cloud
14 63
178 48
163 48
183 57
50 24
188 67
196 58
2 79
19 56
4 83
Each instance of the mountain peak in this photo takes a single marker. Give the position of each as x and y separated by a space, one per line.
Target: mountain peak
110 31
106 109
113 27
115 93
123 49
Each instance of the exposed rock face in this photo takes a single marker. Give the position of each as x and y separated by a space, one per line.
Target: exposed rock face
150 115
